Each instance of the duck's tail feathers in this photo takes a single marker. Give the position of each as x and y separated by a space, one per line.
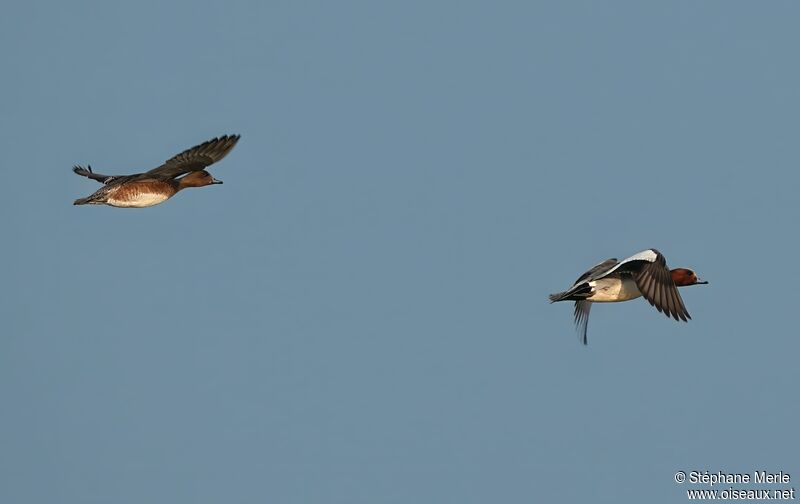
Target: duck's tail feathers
576 293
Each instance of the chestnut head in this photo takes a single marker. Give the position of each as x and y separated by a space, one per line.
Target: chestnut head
198 179
684 277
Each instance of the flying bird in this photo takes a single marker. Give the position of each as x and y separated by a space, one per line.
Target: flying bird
140 190
643 274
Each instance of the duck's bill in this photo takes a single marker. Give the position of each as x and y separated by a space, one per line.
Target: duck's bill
704 282
215 181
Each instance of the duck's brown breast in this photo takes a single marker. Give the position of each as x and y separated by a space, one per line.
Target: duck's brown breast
140 194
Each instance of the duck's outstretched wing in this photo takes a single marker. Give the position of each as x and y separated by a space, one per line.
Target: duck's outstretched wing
581 289
194 159
87 172
582 318
657 287
597 270
582 308
653 278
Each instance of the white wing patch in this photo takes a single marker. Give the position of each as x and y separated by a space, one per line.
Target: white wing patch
645 255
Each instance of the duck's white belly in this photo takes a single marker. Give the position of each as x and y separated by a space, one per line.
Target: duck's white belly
139 200
614 290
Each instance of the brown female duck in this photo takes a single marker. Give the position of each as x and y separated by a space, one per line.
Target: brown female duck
187 169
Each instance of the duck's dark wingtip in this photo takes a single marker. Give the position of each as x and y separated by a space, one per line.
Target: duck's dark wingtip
84 172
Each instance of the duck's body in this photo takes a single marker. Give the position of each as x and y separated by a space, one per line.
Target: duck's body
614 290
140 194
158 185
643 274
134 194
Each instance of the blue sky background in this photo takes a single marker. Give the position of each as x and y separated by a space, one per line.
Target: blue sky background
359 314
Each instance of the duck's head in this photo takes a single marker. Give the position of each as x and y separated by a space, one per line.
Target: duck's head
684 277
198 179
